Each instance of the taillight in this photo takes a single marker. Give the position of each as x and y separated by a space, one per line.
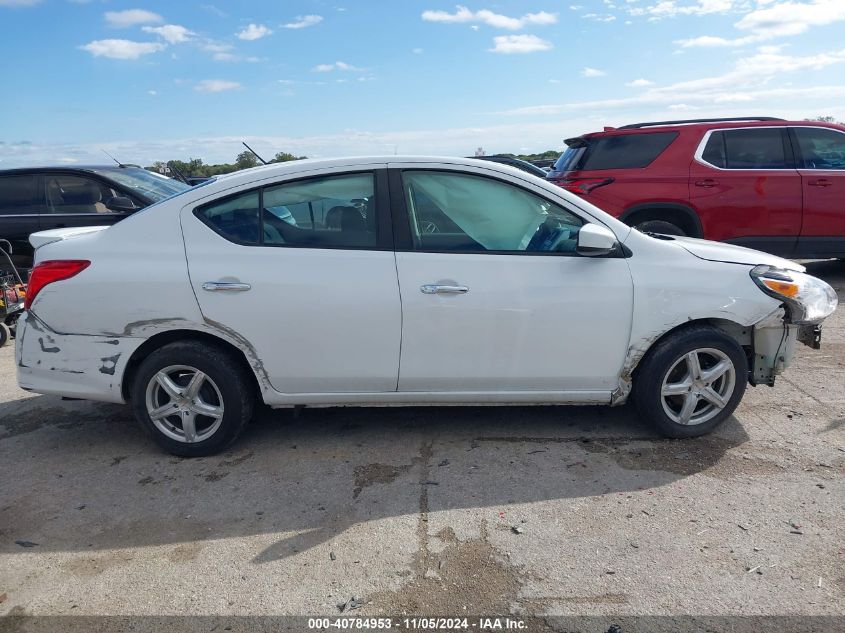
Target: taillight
50 272
583 186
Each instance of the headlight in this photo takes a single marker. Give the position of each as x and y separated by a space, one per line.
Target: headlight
810 299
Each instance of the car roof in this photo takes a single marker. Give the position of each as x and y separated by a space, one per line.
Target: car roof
65 168
716 124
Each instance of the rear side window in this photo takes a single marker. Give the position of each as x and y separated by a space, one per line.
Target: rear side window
820 148
235 218
18 194
327 212
759 148
627 151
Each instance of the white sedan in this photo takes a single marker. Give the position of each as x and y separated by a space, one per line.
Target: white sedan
401 281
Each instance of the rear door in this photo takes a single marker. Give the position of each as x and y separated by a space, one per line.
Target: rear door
316 302
745 188
76 200
821 163
21 201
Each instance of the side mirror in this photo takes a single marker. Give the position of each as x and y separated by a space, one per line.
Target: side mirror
595 240
121 204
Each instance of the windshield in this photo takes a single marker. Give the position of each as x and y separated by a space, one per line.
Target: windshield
148 184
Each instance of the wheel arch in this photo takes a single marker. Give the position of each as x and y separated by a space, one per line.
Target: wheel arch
742 334
668 211
159 340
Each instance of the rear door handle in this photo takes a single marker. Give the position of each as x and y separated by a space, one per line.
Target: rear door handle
436 289
707 182
225 286
821 182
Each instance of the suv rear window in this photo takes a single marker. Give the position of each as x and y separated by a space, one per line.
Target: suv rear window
756 148
625 151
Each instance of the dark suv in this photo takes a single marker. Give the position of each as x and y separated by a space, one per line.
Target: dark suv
36 199
770 184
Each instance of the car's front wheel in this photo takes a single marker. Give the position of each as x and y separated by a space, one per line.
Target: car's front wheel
691 381
193 398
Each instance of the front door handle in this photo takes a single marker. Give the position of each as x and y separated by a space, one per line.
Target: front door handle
436 289
225 286
821 182
707 182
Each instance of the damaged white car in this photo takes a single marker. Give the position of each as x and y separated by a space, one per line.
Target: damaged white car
401 281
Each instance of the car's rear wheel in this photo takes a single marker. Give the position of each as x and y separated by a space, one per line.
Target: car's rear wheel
5 334
660 226
691 381
194 398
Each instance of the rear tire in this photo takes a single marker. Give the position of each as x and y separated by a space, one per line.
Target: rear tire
691 381
5 334
192 397
660 226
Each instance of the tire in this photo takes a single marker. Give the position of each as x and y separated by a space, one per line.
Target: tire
667 368
660 226
201 377
5 334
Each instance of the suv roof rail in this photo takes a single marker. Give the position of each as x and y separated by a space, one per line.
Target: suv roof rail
685 121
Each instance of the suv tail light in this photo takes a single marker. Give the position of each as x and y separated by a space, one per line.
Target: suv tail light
52 271
583 186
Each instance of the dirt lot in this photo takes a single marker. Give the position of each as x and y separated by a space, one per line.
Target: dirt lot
529 511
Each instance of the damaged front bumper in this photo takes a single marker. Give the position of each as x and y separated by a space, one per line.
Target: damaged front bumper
773 345
71 365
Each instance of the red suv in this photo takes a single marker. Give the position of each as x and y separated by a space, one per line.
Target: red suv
770 184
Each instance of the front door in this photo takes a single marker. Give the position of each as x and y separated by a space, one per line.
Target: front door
822 168
301 273
495 298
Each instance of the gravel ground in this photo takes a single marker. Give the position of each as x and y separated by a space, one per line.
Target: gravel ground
576 511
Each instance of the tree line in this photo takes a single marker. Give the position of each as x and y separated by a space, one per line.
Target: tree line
196 166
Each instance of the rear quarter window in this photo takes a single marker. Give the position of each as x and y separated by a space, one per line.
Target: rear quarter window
626 151
18 194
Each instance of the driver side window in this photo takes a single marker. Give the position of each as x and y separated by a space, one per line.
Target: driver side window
460 212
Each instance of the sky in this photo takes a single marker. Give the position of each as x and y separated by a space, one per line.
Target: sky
149 80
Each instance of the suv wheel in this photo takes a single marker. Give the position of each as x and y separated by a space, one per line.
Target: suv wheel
192 397
691 382
660 226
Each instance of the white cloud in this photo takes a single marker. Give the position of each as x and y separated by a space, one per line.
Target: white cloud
463 15
791 18
131 17
170 33
592 72
303 21
417 51
122 49
674 8
216 85
778 20
152 93
599 17
750 80
327 68
18 3
253 32
639 83
511 44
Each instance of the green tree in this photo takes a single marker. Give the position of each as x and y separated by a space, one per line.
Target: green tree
245 160
283 157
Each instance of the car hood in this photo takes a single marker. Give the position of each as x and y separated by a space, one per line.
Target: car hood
728 253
